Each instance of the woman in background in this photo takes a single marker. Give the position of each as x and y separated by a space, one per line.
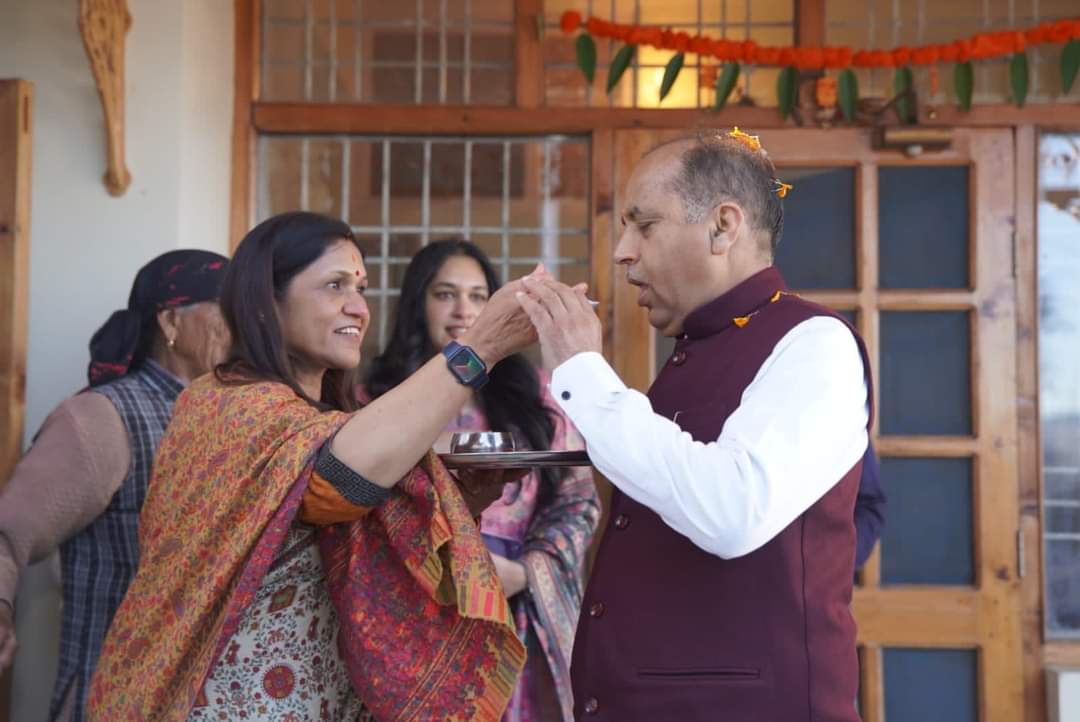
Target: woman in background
538 534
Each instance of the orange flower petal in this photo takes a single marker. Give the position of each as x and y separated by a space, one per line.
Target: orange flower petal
570 21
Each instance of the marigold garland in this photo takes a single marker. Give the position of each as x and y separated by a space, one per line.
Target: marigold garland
981 46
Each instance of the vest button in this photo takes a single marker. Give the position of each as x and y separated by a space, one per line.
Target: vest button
592 705
679 358
596 610
622 521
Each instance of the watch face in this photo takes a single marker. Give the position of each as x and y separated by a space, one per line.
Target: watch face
466 365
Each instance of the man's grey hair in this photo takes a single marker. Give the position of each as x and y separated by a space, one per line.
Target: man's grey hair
715 168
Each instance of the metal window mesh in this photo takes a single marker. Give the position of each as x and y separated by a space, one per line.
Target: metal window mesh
523 200
373 51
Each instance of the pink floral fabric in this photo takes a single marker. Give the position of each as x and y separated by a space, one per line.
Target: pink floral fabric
555 537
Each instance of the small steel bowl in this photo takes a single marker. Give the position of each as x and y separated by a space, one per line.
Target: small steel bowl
481 442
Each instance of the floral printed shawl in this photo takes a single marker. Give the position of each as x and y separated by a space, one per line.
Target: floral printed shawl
555 537
426 631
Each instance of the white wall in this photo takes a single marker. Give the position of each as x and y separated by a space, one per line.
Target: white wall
86 245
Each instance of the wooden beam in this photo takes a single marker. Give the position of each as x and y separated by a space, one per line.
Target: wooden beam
16 99
810 23
461 120
929 300
872 689
1061 654
956 447
528 53
868 321
16 105
602 282
245 91
1028 449
996 490
909 616
634 351
1004 115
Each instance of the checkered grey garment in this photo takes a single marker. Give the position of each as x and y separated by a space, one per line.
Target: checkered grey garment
100 561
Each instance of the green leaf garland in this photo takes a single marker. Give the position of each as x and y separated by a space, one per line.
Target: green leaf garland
786 89
1018 78
619 64
1070 63
725 84
671 72
902 82
586 56
964 83
847 90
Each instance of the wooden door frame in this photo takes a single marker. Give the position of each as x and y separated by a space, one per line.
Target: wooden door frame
16 107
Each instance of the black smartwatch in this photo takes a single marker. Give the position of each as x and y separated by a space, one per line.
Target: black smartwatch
468 368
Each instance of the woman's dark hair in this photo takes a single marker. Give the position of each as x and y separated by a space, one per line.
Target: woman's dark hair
265 262
511 400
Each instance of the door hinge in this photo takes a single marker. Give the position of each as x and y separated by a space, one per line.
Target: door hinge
1020 553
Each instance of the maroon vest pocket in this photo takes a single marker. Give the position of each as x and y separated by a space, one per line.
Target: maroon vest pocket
721 675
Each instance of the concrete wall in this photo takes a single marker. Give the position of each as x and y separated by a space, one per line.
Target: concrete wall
86 245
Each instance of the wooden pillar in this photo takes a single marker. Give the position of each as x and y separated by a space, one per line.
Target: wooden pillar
15 107
810 23
246 90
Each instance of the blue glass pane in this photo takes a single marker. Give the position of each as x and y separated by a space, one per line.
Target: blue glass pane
923 226
925 378
930 685
928 533
817 248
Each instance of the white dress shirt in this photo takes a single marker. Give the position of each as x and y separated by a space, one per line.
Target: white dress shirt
799 427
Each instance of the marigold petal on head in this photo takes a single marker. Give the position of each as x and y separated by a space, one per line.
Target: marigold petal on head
750 141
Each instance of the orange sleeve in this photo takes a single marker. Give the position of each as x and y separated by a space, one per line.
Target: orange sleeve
323 505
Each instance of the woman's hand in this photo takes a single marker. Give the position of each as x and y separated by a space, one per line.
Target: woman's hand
7 636
503 326
511 575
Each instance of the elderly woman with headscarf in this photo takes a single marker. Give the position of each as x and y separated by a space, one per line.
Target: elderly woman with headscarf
81 485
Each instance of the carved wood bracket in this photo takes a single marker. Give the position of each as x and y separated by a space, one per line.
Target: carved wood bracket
104 25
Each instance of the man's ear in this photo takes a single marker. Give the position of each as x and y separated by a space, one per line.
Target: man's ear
726 223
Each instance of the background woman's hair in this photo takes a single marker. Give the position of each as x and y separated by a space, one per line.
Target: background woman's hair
511 400
176 279
265 262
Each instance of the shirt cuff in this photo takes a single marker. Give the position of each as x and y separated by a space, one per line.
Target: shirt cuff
584 381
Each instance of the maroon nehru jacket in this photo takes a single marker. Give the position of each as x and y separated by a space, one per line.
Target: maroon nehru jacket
671 632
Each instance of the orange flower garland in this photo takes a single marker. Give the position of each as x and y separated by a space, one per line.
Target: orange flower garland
981 46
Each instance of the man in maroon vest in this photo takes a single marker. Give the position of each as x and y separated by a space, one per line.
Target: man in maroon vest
722 587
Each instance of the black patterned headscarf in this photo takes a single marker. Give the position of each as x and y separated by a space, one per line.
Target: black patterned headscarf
173 279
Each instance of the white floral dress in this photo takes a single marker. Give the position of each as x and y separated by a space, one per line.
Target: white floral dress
283 663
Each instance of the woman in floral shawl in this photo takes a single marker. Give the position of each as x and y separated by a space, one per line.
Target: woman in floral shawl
538 533
301 559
